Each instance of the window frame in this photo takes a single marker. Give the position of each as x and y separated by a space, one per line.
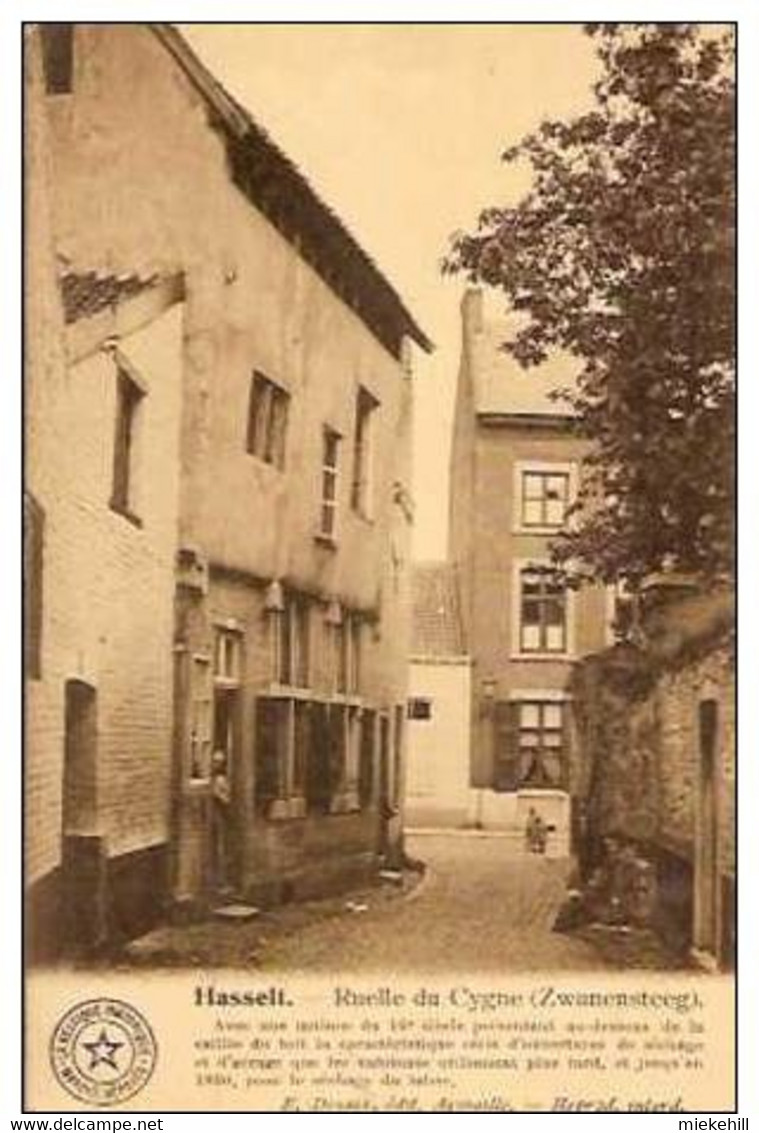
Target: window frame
267 421
416 702
130 398
330 481
227 647
540 749
544 469
507 773
292 629
362 472
542 653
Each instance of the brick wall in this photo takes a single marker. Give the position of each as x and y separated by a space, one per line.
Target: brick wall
637 711
108 588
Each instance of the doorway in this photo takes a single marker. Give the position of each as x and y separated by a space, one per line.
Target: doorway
83 860
225 864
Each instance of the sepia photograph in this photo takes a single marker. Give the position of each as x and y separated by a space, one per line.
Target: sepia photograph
379 549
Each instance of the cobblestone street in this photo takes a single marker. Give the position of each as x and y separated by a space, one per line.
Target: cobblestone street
482 905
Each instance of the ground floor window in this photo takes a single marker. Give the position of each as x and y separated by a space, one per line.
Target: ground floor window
316 752
530 742
367 758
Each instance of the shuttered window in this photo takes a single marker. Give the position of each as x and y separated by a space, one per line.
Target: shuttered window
530 744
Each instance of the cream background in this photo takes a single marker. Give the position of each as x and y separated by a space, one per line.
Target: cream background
11 14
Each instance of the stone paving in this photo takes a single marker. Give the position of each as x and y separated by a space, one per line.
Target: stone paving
483 905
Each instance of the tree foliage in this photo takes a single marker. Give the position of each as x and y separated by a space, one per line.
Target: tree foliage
622 253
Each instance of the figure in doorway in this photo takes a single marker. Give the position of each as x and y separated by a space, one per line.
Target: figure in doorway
220 821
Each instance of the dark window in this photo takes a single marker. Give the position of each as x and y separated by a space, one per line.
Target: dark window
545 496
34 533
322 770
419 708
366 758
543 612
128 399
361 486
58 57
267 421
330 456
348 645
272 722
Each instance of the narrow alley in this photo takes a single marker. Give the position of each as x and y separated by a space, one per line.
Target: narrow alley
482 905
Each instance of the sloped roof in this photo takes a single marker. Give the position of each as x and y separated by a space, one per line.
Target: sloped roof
502 386
437 629
86 293
275 185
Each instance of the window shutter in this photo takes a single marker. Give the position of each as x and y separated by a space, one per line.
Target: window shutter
506 745
566 746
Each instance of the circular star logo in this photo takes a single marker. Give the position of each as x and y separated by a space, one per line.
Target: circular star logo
103 1051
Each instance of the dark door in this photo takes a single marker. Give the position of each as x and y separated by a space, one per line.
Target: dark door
225 863
82 851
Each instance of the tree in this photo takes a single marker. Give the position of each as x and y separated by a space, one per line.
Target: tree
622 253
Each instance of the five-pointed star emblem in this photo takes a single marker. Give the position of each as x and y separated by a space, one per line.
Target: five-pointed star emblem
103 1049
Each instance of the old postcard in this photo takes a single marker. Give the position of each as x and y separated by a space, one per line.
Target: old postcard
379 567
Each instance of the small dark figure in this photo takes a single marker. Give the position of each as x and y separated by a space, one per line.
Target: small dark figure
536 833
220 833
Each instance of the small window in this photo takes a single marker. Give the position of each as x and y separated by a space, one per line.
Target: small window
419 708
58 57
268 408
129 399
330 458
228 655
293 641
361 486
34 530
201 720
545 497
543 611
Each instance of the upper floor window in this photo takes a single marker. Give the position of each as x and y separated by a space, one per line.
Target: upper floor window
543 493
129 399
544 498
363 444
542 611
268 407
330 458
228 656
58 57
